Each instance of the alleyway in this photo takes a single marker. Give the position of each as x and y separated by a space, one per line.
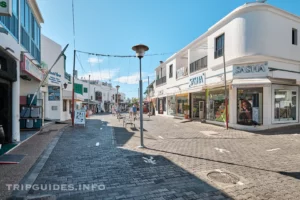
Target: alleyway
175 165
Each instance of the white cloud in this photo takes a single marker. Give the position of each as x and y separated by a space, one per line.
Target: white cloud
94 60
132 79
103 75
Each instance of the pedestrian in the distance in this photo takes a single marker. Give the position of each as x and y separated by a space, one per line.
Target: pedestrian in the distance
134 110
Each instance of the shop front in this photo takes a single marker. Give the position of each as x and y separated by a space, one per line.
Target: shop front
8 75
161 105
216 105
171 105
198 105
182 105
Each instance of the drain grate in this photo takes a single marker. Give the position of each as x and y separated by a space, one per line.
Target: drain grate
223 177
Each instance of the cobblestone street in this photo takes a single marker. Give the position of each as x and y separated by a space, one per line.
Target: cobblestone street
175 164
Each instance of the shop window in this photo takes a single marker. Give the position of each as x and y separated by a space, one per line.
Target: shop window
64 105
171 105
285 108
250 106
181 103
216 105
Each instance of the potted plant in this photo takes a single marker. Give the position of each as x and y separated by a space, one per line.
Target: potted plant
186 109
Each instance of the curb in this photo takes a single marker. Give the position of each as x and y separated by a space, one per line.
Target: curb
34 171
46 125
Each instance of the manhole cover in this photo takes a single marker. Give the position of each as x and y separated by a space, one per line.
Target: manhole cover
223 177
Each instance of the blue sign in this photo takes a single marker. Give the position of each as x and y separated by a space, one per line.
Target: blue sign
197 80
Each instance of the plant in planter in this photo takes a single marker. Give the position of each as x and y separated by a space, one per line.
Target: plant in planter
186 109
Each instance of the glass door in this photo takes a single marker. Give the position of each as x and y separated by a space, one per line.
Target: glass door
201 109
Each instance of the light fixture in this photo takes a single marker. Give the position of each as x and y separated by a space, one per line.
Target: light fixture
140 50
65 85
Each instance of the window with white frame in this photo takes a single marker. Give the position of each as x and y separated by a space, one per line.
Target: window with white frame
294 36
285 104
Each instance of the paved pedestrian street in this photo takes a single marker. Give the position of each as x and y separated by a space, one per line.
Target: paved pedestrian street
182 160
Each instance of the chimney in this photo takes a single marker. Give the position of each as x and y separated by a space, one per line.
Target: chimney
161 62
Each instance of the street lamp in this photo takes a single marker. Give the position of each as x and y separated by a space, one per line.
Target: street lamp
140 51
118 95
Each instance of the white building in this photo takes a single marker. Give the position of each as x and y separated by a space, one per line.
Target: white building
20 73
262 58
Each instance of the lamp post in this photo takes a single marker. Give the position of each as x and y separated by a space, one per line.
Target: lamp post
140 51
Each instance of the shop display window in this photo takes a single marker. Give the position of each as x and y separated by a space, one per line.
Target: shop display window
249 106
216 106
285 107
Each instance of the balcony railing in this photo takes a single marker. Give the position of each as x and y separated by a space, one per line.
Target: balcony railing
161 80
181 72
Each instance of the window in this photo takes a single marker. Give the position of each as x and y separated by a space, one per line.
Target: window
198 64
91 97
285 108
85 90
294 36
12 23
170 71
219 46
64 105
250 106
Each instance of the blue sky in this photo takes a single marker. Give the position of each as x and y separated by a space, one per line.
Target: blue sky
114 26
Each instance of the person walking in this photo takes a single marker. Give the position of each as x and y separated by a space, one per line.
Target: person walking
134 110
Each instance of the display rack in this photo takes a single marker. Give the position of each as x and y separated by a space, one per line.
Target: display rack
31 115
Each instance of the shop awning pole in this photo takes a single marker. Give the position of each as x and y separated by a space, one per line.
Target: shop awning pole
225 91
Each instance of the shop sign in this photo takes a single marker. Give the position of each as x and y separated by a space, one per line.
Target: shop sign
6 8
197 80
251 70
30 68
54 77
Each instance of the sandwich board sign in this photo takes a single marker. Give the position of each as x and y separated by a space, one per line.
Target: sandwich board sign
6 8
79 117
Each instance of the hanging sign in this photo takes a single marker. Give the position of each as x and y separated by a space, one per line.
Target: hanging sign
30 68
197 80
79 117
250 70
6 8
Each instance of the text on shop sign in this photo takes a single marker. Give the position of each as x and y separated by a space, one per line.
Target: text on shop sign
250 70
197 80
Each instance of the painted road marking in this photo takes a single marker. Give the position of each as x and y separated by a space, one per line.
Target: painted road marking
97 144
149 160
100 128
222 150
209 133
273 149
160 137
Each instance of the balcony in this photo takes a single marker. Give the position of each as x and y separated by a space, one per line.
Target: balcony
160 81
181 72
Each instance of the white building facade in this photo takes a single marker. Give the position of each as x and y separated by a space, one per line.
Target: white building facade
20 73
259 45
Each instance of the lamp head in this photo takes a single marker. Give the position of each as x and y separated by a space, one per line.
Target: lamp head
117 87
140 50
65 85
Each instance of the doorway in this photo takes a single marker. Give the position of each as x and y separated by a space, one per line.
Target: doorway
6 109
201 110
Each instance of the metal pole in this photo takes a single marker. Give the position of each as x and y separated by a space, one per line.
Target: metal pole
225 92
141 104
89 93
73 104
148 97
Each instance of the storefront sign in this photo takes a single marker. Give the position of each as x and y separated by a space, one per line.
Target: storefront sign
30 68
197 80
5 8
79 117
54 93
251 70
54 77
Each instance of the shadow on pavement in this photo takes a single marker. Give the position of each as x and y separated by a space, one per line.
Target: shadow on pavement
293 129
295 175
126 174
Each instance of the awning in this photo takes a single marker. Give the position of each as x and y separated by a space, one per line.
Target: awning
251 82
68 95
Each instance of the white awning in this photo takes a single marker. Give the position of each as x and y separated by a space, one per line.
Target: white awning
68 95
251 82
